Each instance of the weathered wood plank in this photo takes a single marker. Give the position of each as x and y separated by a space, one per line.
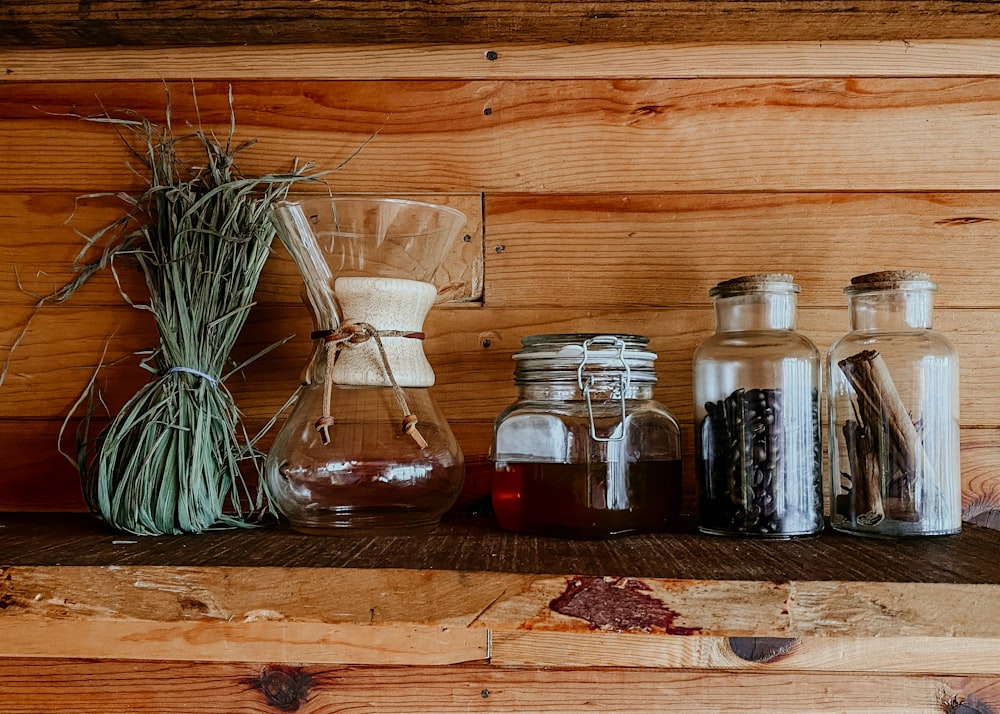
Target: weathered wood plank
427 617
260 640
144 687
503 602
174 22
841 134
872 58
469 348
884 654
646 250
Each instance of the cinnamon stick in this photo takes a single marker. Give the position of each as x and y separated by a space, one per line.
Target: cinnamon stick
885 414
867 477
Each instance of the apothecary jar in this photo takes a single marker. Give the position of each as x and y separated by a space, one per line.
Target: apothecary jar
757 422
585 451
892 394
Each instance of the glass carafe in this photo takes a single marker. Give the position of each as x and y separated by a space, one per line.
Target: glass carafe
365 449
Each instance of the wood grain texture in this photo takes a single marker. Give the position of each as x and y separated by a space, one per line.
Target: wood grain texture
848 655
143 687
174 22
618 160
439 617
587 136
615 60
670 249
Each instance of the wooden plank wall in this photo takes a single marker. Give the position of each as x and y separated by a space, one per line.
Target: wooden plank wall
608 186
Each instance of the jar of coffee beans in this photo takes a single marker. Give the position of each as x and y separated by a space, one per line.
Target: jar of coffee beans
757 422
892 397
585 451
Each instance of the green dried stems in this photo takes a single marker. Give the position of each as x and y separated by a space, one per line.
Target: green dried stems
170 461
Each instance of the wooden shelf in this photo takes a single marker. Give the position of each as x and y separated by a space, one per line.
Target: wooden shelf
70 588
474 543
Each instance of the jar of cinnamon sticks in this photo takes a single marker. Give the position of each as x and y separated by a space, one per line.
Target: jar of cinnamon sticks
756 394
892 394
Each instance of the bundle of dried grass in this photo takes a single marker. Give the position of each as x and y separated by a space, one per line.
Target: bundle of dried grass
169 462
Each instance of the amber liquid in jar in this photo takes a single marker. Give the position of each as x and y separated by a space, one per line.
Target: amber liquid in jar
587 500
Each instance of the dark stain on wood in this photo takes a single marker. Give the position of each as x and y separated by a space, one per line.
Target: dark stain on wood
963 221
617 605
6 598
193 605
284 688
969 705
761 649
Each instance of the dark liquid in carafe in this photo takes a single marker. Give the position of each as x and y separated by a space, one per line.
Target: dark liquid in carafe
587 500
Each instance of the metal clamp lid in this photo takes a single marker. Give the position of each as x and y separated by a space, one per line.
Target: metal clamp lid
546 358
585 381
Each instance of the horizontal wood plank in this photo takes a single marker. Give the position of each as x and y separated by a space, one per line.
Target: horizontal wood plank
819 58
144 687
669 250
426 617
174 22
848 655
449 602
262 640
848 134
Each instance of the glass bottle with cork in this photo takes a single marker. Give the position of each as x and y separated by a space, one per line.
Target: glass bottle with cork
893 404
757 422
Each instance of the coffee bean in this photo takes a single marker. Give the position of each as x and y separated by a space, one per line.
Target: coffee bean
748 482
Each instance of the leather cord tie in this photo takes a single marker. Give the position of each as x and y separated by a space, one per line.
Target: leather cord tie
349 335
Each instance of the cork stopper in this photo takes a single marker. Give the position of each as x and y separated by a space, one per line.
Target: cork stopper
759 282
890 280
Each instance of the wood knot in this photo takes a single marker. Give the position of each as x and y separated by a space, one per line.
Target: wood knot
968 705
761 649
284 688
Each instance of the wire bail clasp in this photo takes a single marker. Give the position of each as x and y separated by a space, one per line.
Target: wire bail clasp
585 380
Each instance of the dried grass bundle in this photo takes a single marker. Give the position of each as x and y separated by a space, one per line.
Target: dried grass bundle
169 462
